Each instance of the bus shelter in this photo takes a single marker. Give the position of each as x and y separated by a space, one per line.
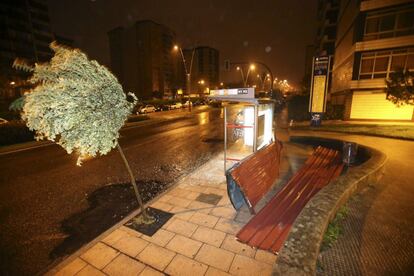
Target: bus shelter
248 123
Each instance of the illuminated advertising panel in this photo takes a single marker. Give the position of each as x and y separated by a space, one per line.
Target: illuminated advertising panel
318 94
319 85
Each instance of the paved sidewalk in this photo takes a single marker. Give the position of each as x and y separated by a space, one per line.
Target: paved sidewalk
198 240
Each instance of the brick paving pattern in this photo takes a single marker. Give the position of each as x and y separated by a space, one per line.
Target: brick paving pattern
198 240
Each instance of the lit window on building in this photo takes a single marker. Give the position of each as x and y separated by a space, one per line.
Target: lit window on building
380 64
380 25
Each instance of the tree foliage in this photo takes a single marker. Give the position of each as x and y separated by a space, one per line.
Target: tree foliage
76 102
400 87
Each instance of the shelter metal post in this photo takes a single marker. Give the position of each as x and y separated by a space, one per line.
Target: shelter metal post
225 139
256 110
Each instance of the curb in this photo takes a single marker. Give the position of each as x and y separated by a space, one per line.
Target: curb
353 133
301 250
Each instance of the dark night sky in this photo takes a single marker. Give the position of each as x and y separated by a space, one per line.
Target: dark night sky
240 30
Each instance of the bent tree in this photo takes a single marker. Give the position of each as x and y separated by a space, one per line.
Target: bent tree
79 104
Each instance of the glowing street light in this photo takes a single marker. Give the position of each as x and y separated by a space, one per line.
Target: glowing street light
241 72
187 70
263 80
251 68
12 83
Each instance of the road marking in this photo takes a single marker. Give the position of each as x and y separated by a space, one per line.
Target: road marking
44 144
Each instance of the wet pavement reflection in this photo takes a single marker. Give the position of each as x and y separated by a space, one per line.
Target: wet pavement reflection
42 191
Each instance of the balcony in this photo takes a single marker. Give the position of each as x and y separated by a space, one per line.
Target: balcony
386 43
379 4
368 84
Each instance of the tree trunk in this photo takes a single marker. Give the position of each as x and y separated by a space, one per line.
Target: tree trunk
134 184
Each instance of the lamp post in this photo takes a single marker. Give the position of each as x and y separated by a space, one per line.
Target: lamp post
267 77
187 72
260 63
251 68
241 72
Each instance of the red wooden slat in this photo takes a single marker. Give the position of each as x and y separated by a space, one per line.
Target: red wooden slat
275 239
257 174
289 209
278 240
270 227
247 231
281 200
285 221
261 218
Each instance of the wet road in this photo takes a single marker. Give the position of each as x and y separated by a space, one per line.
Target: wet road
42 187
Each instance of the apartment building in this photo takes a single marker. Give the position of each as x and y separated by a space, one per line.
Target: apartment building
374 38
25 33
204 68
142 58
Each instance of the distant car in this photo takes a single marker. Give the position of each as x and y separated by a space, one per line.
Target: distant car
3 121
162 107
176 105
187 103
147 109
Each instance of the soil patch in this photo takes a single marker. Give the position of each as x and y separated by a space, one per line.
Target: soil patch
107 206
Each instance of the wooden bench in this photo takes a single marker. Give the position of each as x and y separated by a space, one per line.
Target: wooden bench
252 178
269 228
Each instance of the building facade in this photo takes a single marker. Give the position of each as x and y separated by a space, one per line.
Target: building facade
374 39
205 70
142 59
24 33
327 17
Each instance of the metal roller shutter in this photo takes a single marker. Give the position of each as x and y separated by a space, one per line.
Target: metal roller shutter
374 105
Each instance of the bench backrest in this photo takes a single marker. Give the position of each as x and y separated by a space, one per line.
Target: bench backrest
256 174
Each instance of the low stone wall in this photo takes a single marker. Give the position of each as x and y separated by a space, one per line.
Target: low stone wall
301 250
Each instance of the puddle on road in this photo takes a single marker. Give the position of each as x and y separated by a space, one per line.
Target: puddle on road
107 206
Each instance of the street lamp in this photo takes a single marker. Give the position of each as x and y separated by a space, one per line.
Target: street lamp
187 71
251 68
241 72
266 78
